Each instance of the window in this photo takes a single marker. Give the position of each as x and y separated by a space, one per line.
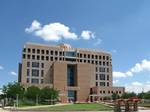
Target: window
84 55
96 76
29 50
96 83
103 91
47 51
51 58
80 60
28 80
47 58
80 55
35 72
107 69
100 57
38 51
42 81
42 51
56 58
35 81
96 69
38 57
92 62
84 61
96 57
108 92
24 56
107 63
28 64
88 61
102 76
28 72
28 56
103 57
88 56
42 58
33 50
96 62
102 69
60 53
42 73
70 53
51 52
100 63
107 57
33 56
102 83
107 77
42 65
35 64
107 83
56 53
92 56
103 63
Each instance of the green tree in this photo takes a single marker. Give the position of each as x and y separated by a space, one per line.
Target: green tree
32 92
13 89
141 95
49 93
147 95
128 95
115 96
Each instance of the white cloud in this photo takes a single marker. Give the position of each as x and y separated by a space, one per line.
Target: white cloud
86 35
34 26
1 67
98 42
119 74
115 81
13 73
139 67
51 32
137 87
136 83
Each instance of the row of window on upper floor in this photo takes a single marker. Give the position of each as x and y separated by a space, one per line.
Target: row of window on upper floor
47 58
109 92
62 53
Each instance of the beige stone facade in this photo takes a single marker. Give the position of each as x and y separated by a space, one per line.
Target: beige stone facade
77 73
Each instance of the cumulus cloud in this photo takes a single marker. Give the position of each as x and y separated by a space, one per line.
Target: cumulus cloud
136 83
1 67
115 81
139 67
137 87
98 42
13 73
86 34
51 32
34 26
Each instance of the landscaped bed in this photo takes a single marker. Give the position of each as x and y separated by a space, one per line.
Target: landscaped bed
72 107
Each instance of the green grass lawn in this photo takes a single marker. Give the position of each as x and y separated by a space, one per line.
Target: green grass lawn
144 105
75 107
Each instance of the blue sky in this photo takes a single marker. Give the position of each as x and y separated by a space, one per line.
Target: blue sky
120 27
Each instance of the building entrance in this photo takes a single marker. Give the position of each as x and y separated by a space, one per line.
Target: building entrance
71 96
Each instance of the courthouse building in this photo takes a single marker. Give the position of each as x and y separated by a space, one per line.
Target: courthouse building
79 74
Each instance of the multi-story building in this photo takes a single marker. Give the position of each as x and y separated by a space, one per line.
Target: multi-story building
79 74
